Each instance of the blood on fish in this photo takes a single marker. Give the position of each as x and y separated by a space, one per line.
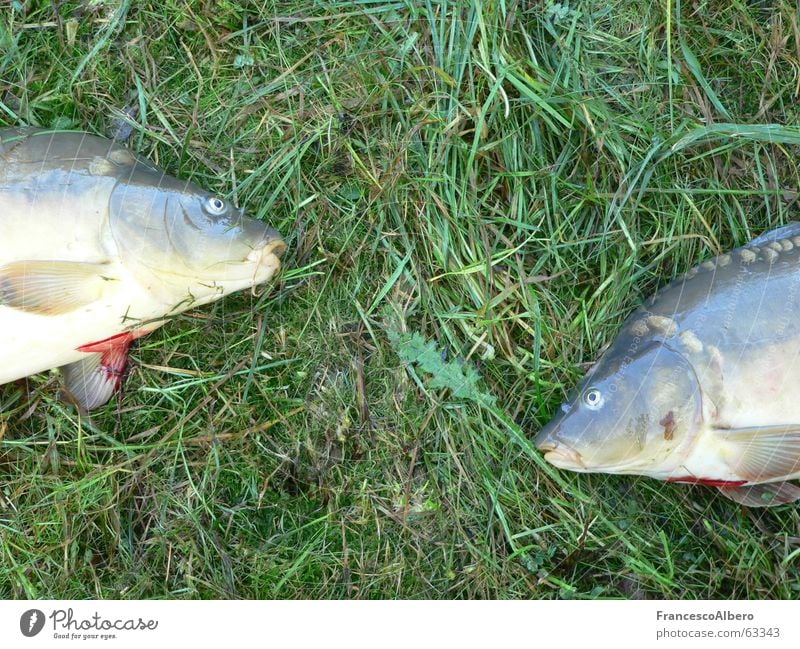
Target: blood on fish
114 364
114 350
709 482
119 340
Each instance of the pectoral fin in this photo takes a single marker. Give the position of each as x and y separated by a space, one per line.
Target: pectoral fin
763 495
91 382
762 453
51 287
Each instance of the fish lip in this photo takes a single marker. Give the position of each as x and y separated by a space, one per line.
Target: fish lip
276 248
271 243
555 451
546 438
564 457
547 446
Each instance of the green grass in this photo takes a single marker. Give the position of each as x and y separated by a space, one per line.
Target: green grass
475 194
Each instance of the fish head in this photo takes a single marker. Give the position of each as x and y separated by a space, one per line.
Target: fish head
636 412
189 239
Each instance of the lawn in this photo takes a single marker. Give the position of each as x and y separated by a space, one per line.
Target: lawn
475 194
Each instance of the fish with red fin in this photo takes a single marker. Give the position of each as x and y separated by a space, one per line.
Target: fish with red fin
99 247
703 383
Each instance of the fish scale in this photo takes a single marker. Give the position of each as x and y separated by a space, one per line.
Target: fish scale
702 384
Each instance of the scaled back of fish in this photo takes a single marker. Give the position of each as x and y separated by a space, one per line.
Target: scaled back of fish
702 384
99 247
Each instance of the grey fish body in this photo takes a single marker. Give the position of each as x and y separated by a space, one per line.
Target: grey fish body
98 247
703 383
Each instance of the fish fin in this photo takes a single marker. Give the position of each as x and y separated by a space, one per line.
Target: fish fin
762 453
93 380
791 229
117 341
51 287
768 494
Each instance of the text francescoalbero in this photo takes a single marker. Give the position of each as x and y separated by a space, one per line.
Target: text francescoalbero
716 615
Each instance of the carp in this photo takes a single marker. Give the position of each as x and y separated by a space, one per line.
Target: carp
702 385
99 247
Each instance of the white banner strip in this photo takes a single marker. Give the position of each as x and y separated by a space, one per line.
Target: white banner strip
402 624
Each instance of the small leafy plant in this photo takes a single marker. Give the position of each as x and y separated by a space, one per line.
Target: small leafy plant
459 377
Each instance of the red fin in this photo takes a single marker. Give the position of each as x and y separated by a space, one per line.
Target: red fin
120 340
93 380
709 482
114 362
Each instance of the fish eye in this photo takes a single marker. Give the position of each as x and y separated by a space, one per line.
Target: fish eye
215 205
593 398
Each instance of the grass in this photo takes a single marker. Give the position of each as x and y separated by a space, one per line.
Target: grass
475 194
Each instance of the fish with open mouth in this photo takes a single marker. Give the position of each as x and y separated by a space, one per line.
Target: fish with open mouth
702 385
99 247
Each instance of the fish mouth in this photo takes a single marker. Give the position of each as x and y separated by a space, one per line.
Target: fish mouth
274 248
562 456
555 451
271 243
274 243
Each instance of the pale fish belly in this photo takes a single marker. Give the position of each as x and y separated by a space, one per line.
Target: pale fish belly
34 343
760 388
